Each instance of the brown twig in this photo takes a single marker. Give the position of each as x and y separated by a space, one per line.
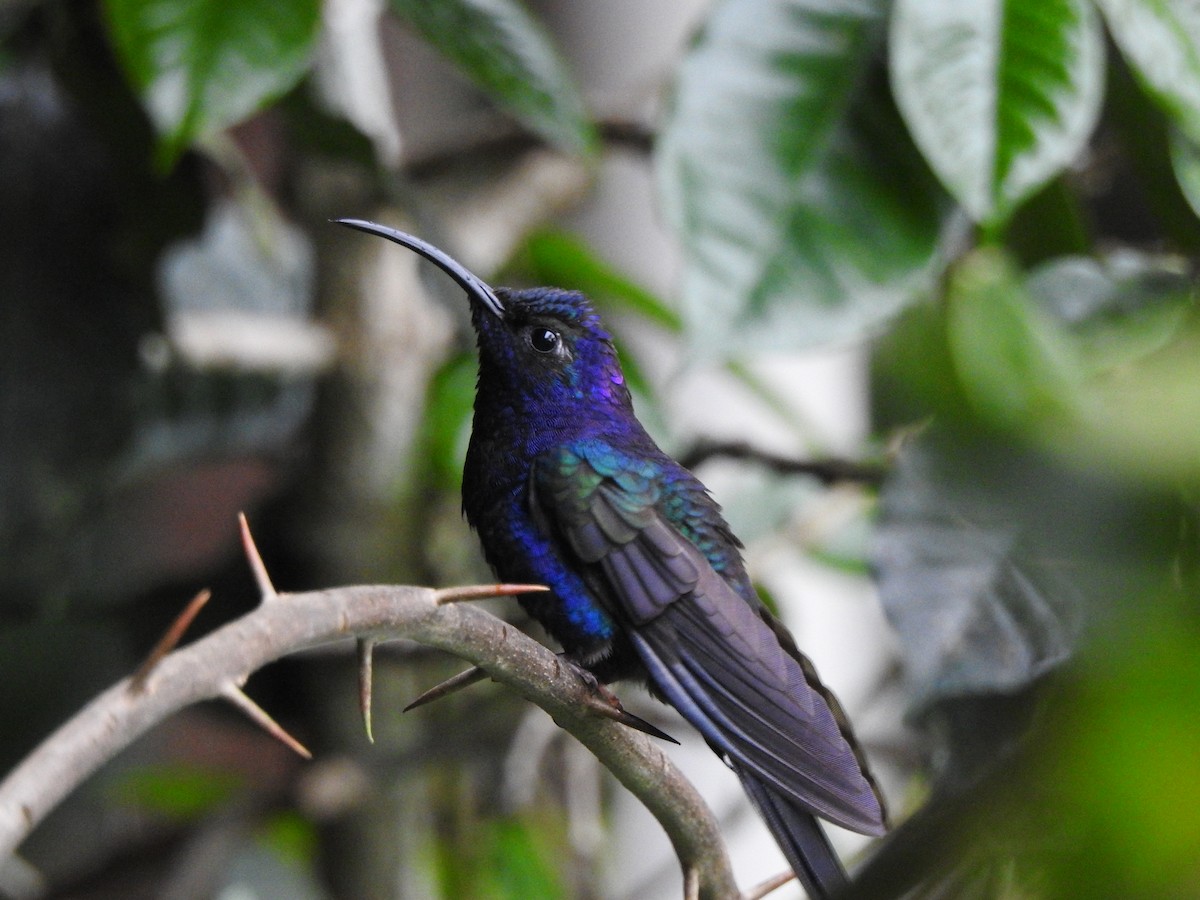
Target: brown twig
827 471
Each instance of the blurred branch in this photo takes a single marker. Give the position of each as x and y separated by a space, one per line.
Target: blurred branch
828 471
218 664
626 134
614 134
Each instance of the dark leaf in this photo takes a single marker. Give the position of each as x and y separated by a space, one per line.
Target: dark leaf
981 602
202 65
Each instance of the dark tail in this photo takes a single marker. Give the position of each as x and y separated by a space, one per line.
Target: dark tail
801 838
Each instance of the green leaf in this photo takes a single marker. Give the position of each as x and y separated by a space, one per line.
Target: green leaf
177 791
1118 309
1145 415
446 426
1161 40
1185 160
507 54
524 853
1098 362
202 65
291 836
803 210
1015 365
1118 761
507 858
1135 337
561 259
1000 95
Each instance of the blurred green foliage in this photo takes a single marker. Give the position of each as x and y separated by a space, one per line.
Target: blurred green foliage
178 792
509 858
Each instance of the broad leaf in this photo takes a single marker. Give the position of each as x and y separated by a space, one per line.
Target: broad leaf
981 602
1000 95
994 545
1185 159
1098 361
1134 333
202 65
1015 366
559 258
1145 415
1161 40
507 53
804 213
446 425
1119 309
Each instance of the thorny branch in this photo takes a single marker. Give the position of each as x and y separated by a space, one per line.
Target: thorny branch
218 664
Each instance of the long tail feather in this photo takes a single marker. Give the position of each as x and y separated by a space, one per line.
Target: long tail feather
801 838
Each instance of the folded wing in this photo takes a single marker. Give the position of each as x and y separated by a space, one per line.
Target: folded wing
712 654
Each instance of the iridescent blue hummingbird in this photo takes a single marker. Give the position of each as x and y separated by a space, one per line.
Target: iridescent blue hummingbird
566 489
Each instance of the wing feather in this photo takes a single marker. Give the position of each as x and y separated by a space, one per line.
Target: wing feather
717 658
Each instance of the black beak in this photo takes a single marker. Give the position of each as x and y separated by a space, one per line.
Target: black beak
475 288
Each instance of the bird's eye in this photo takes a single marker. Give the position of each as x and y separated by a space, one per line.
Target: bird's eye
544 340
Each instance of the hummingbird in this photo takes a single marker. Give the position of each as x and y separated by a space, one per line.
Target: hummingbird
565 488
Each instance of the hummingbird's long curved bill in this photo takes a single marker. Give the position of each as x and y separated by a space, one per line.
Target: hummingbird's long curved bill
476 288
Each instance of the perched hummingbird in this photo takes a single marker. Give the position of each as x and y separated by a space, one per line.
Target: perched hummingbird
566 489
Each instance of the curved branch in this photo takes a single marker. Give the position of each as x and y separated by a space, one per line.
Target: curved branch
285 623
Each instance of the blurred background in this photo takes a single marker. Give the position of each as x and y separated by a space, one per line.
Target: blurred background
911 286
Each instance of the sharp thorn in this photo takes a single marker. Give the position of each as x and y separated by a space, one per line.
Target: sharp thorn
168 642
483 592
606 703
262 718
449 686
618 713
366 653
772 884
266 590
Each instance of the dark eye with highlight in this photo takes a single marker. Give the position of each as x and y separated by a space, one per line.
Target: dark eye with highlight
544 340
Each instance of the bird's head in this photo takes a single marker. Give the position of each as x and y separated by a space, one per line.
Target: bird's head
541 347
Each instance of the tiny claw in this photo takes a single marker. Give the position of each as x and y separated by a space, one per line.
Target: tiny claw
449 686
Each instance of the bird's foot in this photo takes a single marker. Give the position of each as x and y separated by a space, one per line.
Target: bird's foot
608 704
